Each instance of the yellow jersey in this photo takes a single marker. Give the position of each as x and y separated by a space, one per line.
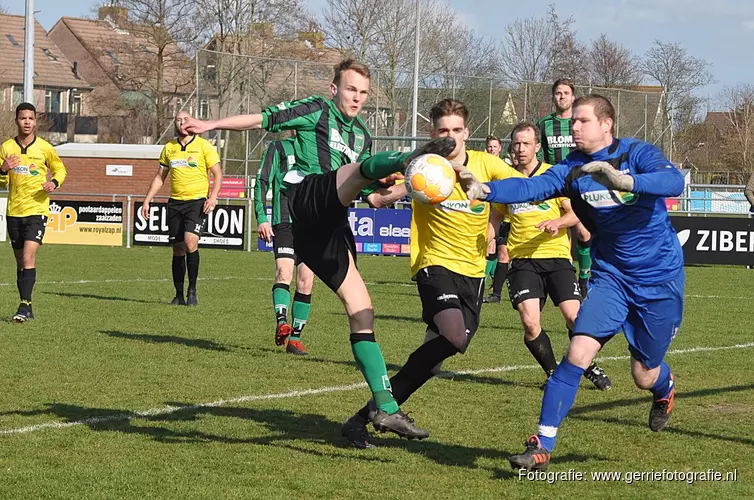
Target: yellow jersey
189 167
453 233
525 241
26 196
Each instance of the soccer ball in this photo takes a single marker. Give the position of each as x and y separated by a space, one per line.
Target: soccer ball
430 179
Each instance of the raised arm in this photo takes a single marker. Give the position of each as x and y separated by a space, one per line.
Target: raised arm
519 190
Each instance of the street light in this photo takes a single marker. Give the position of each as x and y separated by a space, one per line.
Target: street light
29 53
416 75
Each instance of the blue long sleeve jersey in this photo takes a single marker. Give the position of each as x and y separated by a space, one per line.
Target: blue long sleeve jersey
632 236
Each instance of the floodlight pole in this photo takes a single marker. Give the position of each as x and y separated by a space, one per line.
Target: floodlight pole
29 53
416 74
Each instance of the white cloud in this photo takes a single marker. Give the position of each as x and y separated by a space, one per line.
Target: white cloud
749 25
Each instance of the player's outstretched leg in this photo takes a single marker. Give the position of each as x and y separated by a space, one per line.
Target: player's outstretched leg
660 383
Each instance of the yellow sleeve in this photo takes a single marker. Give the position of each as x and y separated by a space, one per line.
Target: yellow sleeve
3 154
498 170
55 164
211 157
164 161
503 209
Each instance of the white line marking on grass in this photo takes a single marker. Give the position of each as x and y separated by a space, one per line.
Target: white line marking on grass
719 297
167 410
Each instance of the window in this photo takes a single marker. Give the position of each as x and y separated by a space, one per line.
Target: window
18 95
13 41
76 104
112 56
50 55
203 109
53 101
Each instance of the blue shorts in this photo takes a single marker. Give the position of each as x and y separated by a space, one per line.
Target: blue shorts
648 315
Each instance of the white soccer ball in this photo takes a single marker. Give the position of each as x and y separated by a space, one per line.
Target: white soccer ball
430 179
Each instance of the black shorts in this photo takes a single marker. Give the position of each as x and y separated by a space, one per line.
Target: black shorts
185 217
502 235
441 289
29 228
321 234
282 242
538 278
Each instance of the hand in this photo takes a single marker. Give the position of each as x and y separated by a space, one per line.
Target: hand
193 126
549 226
10 163
49 186
390 179
474 189
145 210
442 146
265 232
210 204
608 176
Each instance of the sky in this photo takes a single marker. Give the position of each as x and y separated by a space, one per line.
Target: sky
718 31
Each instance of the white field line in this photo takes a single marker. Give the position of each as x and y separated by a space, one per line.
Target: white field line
167 410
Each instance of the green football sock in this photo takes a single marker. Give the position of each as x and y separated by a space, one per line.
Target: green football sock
369 359
281 297
382 164
489 271
302 303
584 258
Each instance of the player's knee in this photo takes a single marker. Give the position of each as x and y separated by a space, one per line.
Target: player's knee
283 274
179 250
644 378
362 319
191 245
532 330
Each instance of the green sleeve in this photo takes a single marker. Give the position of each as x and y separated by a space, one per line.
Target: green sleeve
267 171
542 139
296 115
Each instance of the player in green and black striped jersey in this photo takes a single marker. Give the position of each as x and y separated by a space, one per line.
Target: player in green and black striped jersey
333 165
556 136
276 160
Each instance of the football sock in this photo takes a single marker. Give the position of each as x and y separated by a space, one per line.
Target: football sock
369 359
489 271
179 273
664 384
541 349
584 258
281 297
417 370
560 393
501 272
382 164
19 274
192 263
302 303
28 278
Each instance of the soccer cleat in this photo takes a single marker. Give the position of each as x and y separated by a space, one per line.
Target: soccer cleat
533 458
596 375
443 147
191 298
295 347
355 431
583 287
399 423
492 299
178 301
282 332
660 412
23 314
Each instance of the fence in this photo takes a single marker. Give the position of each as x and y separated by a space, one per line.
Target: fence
229 84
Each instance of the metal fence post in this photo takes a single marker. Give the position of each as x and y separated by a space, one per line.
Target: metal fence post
489 112
128 223
617 117
646 106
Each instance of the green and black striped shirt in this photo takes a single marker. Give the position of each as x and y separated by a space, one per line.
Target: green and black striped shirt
556 136
276 160
325 140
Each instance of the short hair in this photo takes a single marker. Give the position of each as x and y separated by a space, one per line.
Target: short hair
25 106
525 126
603 108
491 138
563 81
351 64
449 107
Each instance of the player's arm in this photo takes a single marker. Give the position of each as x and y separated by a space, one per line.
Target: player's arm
155 185
496 218
7 162
568 219
211 157
270 159
387 195
749 191
542 140
57 168
519 190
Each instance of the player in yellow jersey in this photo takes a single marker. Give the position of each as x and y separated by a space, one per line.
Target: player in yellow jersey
25 161
448 257
540 252
188 159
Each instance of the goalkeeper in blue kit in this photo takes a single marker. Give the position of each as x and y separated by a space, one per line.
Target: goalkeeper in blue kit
617 189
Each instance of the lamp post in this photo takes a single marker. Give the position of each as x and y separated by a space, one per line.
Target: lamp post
415 111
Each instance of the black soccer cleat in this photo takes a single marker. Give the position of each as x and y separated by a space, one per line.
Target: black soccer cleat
492 299
534 456
443 147
24 313
191 298
583 287
355 431
659 414
178 300
596 375
398 423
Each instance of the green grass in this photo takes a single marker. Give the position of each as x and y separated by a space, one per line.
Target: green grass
111 347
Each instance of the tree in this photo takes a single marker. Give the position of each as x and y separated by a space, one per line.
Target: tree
738 135
611 64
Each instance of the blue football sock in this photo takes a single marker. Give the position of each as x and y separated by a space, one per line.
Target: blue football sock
560 393
664 384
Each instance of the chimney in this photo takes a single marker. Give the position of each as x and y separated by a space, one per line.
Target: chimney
316 39
75 70
117 14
